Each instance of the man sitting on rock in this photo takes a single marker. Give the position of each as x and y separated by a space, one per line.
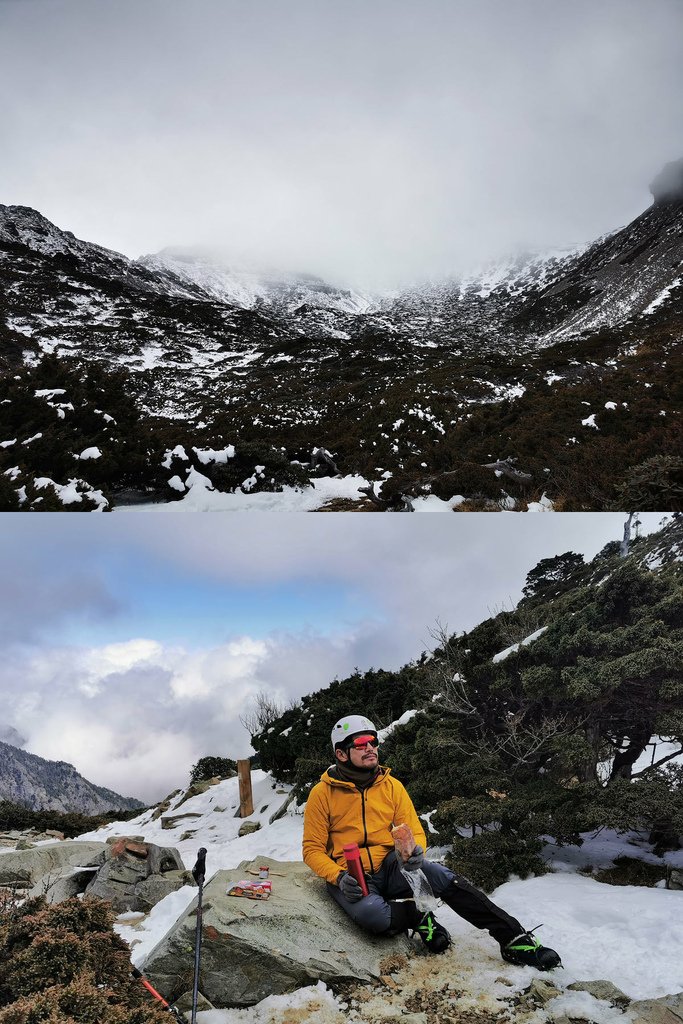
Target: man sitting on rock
358 801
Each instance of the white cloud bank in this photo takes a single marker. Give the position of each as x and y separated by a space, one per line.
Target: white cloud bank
135 716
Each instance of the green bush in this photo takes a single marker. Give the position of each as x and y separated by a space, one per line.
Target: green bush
488 859
655 483
296 746
64 964
211 767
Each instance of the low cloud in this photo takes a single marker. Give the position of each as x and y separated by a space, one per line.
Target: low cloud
135 716
135 713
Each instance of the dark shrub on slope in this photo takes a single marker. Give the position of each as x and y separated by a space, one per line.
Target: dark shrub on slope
64 964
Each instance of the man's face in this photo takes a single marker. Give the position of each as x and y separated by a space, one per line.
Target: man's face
360 753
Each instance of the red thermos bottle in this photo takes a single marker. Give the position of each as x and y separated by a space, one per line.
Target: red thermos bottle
354 865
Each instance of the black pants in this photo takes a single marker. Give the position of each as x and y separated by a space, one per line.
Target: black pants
373 912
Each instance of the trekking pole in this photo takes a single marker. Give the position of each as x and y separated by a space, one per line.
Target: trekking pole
198 873
157 995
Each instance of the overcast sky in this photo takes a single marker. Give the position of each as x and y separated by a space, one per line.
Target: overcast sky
370 140
129 646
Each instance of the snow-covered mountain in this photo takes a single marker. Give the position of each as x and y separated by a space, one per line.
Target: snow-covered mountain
186 308
253 287
291 362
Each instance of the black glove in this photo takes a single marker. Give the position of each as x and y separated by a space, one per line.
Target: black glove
415 860
350 888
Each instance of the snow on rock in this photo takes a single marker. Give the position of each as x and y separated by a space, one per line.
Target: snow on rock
197 480
90 453
544 503
289 499
430 503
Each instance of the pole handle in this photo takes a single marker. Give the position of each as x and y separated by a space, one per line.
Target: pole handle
199 870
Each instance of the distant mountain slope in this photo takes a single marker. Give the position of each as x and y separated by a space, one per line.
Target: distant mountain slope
627 275
121 363
53 785
249 287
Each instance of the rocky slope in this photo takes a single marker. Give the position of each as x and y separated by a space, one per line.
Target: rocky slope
53 785
207 355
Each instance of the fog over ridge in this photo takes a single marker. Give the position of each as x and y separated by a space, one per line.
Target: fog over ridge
372 144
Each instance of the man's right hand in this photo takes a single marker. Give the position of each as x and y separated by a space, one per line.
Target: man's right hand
350 888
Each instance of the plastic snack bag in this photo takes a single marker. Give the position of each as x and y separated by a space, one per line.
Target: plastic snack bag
251 890
404 844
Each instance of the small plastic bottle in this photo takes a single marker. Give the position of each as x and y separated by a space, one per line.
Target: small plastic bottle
263 871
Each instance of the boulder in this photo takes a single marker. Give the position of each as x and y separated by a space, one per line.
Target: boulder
541 991
174 820
252 949
152 890
198 787
675 879
665 1010
63 887
135 875
280 811
602 990
247 827
49 861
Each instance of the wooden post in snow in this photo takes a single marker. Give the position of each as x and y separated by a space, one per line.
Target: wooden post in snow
246 798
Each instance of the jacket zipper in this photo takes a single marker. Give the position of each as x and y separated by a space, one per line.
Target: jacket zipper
365 833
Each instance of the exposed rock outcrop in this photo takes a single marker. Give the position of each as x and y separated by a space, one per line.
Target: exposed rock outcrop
43 865
136 875
252 949
130 875
53 785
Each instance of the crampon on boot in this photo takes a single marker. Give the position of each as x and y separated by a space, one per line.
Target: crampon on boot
435 937
526 951
405 917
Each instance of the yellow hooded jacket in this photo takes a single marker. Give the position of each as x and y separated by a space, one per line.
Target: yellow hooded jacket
337 813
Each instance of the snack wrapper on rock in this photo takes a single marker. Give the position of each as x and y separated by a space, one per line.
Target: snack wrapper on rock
404 841
251 890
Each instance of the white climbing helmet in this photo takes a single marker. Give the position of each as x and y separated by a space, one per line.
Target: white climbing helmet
350 725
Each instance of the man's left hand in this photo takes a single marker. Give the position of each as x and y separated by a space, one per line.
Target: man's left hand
416 859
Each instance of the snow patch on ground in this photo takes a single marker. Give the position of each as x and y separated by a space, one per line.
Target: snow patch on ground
601 931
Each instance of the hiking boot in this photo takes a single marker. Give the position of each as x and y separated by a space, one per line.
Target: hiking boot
435 937
405 917
526 951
